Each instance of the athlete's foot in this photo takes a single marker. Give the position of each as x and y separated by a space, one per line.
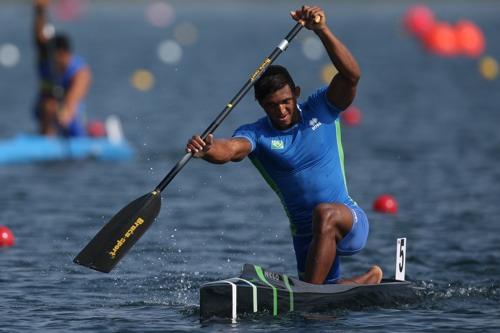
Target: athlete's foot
375 275
372 276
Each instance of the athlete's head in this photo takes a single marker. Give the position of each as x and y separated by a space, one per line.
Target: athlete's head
62 43
62 50
277 94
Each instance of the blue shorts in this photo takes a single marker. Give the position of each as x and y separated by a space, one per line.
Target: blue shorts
351 244
75 128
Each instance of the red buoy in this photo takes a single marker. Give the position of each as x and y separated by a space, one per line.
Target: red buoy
441 39
351 116
470 38
6 237
418 20
385 203
69 10
96 129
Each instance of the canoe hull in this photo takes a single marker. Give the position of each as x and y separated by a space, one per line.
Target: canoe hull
24 149
257 290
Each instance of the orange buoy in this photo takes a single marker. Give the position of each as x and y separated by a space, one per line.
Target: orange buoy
441 39
6 237
470 38
351 116
418 20
385 203
96 129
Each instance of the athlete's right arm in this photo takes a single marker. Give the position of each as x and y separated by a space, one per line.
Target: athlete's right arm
219 151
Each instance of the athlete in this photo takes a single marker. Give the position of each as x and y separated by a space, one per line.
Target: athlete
297 149
64 80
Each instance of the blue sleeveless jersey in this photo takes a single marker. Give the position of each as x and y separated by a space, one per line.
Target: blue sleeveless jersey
76 127
64 80
304 165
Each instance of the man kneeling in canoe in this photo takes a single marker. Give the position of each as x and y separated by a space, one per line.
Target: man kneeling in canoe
297 149
64 77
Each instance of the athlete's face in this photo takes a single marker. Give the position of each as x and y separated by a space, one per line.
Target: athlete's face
281 107
62 60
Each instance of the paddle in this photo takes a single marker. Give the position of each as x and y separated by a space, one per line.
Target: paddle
114 240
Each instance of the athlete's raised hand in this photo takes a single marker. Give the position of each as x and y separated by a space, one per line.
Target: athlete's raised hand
312 17
199 147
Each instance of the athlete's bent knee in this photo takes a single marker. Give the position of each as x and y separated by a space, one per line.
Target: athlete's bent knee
324 221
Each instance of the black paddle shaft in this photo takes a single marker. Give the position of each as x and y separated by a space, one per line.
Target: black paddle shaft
236 99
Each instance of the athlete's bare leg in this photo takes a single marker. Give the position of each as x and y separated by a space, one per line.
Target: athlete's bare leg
331 222
48 116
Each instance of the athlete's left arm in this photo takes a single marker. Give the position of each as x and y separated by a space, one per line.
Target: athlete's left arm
77 91
342 88
39 22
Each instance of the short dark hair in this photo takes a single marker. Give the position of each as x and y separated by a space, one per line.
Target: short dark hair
274 78
61 42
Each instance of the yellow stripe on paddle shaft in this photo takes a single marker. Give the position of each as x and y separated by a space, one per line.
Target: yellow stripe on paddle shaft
259 70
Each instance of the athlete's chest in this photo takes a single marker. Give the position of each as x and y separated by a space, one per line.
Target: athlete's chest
305 144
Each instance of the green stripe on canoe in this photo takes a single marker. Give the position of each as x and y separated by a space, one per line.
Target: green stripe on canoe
261 276
287 284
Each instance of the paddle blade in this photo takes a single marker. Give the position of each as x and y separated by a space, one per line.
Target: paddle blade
125 228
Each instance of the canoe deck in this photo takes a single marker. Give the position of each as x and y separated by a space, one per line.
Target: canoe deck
257 290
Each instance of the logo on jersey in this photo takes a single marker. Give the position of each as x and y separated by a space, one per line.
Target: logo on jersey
315 123
277 144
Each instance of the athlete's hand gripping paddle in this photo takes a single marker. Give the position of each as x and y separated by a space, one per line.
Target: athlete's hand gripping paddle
125 228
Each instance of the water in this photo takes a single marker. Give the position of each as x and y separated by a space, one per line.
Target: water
429 136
